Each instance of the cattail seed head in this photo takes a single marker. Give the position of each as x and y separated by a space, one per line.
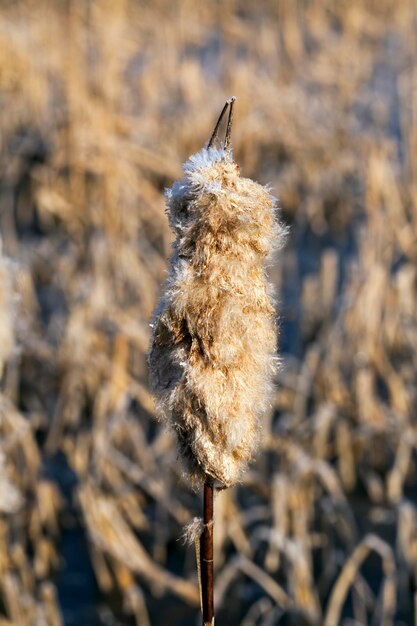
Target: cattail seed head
213 350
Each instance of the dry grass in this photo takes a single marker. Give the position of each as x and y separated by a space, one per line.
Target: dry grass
100 104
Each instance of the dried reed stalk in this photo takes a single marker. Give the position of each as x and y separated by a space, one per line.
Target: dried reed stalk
350 571
7 298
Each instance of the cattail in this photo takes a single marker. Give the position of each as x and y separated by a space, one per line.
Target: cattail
213 351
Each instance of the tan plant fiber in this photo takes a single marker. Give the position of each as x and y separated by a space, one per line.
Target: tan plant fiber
213 351
7 302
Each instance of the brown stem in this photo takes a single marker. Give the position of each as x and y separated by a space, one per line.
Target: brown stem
206 551
230 103
229 124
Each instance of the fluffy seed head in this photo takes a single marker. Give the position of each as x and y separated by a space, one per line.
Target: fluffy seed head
213 350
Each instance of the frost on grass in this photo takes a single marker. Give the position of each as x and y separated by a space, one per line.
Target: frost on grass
213 351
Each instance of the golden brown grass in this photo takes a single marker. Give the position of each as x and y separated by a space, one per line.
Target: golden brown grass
101 102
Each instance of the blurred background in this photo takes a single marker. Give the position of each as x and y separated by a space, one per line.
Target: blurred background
100 103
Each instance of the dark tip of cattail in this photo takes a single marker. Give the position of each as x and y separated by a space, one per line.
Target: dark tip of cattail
227 105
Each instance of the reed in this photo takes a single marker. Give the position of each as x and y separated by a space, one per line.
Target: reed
213 351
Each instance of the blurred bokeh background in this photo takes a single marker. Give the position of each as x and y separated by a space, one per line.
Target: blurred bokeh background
100 103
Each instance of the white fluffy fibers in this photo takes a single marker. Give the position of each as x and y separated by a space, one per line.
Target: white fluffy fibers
213 352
